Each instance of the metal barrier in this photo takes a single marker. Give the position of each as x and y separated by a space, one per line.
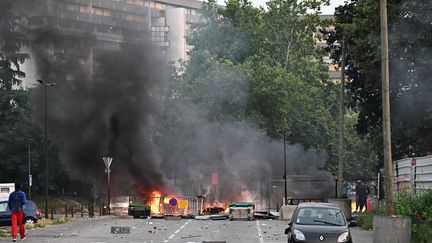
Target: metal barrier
185 205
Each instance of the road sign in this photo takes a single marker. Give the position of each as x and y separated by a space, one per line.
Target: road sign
173 202
107 161
30 180
183 204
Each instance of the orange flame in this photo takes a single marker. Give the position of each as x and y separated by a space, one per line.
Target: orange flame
155 202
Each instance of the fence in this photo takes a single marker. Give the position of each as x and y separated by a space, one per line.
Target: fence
186 205
75 210
412 175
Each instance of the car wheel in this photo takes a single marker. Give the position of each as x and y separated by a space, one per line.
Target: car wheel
29 221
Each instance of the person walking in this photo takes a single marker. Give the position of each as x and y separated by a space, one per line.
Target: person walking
357 190
362 192
15 203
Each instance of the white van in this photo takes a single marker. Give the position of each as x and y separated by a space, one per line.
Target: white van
5 190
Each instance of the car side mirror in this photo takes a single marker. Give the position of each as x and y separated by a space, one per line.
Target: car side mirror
287 229
352 224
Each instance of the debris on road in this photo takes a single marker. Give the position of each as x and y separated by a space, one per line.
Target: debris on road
218 217
120 230
172 217
202 217
190 236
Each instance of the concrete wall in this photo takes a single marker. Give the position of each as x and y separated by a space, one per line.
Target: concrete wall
391 230
286 212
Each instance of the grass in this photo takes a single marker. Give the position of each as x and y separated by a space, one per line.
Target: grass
6 233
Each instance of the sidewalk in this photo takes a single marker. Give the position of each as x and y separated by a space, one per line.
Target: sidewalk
361 236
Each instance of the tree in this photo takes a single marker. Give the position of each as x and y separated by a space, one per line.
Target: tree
409 44
15 126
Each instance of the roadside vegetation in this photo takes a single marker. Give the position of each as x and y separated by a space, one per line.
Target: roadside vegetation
6 232
418 208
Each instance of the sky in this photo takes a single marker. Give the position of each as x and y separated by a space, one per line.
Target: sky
325 10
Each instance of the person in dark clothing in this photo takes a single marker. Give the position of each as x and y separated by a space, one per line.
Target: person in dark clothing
15 203
357 187
362 192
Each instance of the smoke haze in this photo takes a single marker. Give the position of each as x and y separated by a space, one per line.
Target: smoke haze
107 115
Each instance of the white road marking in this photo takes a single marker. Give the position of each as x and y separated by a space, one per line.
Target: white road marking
259 232
177 231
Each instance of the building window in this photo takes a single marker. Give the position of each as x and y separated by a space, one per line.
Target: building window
102 12
158 5
84 9
133 17
71 7
83 60
136 2
160 21
191 11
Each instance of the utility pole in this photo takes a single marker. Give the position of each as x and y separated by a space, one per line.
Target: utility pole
285 174
341 152
29 172
388 166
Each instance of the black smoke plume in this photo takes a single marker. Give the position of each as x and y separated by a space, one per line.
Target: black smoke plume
102 105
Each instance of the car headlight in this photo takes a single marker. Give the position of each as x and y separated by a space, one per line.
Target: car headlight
344 237
299 235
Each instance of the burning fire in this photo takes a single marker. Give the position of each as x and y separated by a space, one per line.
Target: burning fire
155 202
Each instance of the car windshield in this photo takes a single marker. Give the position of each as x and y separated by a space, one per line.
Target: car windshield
320 216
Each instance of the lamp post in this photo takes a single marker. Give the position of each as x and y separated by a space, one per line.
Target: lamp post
107 161
46 85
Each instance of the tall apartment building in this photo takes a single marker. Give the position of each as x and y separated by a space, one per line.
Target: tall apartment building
114 23
333 69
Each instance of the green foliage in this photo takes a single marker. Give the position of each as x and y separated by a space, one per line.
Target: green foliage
262 67
409 41
16 128
11 41
418 208
60 221
365 220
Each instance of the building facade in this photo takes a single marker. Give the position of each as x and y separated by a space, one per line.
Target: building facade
113 23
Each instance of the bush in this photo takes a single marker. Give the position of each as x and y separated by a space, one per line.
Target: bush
365 220
419 209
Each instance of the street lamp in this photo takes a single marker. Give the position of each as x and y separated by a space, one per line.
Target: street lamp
107 161
45 84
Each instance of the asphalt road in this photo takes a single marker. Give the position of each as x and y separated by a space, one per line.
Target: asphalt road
98 230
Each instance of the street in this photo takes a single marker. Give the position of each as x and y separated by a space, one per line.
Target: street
160 230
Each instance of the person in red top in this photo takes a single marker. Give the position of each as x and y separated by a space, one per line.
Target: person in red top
15 203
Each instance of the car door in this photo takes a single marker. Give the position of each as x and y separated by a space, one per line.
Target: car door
5 214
